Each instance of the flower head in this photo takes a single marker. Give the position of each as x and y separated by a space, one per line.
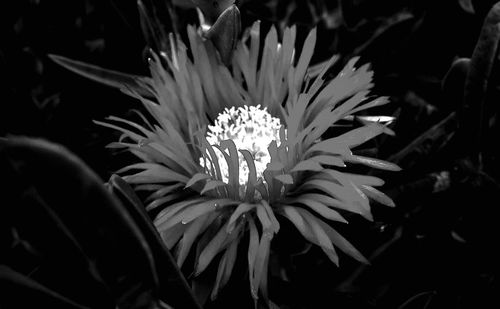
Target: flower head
234 150
250 128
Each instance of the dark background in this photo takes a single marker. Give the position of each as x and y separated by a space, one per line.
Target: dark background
435 250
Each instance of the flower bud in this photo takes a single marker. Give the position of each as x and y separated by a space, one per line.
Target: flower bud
225 31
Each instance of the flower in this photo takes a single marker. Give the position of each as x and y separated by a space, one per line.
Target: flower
250 128
231 151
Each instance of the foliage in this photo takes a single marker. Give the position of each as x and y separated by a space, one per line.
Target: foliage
109 251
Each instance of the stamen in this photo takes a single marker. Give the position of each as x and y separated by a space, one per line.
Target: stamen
249 127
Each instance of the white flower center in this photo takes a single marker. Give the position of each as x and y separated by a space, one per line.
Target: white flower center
250 128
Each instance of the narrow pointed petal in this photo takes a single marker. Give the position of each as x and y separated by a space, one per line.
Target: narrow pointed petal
104 76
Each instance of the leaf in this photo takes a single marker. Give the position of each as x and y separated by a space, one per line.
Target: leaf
124 191
95 229
34 294
453 82
473 113
423 300
391 30
437 136
41 177
104 76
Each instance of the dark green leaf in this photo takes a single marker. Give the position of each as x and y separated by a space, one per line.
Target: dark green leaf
104 76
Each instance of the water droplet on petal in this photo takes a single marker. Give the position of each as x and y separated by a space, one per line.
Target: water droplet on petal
184 222
216 205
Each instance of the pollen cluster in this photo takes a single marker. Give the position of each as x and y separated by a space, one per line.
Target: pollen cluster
251 128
